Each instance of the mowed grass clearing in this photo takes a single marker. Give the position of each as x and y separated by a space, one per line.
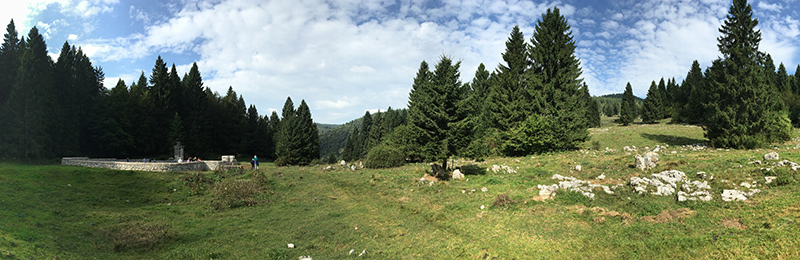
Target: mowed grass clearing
49 212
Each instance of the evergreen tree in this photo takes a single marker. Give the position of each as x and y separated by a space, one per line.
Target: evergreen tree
693 97
592 110
307 135
505 99
628 113
432 110
274 126
28 112
742 110
663 100
652 104
195 109
363 138
10 54
796 81
556 83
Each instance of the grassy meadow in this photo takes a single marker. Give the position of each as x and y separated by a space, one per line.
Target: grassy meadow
60 212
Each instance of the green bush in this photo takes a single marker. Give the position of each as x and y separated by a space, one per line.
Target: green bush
235 193
384 156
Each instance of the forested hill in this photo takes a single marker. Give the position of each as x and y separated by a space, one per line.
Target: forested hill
619 96
332 139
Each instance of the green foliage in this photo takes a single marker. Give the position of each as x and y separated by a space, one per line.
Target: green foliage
298 137
742 111
628 109
384 156
534 135
651 108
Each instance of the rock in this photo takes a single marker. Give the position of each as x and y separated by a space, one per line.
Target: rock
501 168
457 175
305 258
755 162
666 183
733 195
548 192
746 185
601 177
578 167
290 245
484 189
646 162
773 156
786 163
770 179
342 163
352 167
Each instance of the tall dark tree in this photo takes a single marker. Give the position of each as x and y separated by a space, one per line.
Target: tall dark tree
742 110
10 53
556 79
592 110
432 110
298 137
308 134
628 112
505 103
651 107
28 112
693 96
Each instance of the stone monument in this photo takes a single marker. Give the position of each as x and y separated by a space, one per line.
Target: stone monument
178 152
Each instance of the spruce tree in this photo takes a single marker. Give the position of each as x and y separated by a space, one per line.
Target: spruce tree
306 135
10 53
592 110
628 113
286 147
651 106
743 111
28 112
796 81
432 110
506 101
555 81
693 95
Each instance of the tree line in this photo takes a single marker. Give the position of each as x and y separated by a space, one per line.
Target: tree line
741 100
535 101
50 109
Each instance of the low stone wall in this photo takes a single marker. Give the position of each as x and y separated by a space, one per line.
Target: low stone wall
117 164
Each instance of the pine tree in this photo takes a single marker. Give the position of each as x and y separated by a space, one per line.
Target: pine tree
742 110
286 148
506 97
307 135
28 112
796 81
10 54
628 113
652 104
274 126
432 110
693 95
663 100
555 81
592 110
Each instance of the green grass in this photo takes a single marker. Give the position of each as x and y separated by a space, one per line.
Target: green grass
65 212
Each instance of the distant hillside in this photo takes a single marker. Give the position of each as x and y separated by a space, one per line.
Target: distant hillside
324 128
332 139
619 96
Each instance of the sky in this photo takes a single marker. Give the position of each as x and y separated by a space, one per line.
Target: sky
346 57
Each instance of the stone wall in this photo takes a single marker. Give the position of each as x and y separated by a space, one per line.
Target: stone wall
117 164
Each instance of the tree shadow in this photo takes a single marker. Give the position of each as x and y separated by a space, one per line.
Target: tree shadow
472 169
673 140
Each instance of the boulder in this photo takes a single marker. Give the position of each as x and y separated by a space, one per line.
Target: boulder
548 192
646 162
342 163
773 156
457 175
732 195
578 167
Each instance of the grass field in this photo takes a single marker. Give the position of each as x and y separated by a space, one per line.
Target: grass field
49 212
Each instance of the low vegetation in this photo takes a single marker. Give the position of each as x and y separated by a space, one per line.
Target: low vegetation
81 213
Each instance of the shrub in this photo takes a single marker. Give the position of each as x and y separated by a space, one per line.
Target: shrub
503 201
235 193
196 181
139 235
784 177
384 156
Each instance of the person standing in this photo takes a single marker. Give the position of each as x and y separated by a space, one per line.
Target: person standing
255 160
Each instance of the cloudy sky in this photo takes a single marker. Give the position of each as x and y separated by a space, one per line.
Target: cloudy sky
345 57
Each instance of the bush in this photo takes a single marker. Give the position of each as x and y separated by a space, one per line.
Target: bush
503 201
196 181
139 235
384 156
785 177
235 193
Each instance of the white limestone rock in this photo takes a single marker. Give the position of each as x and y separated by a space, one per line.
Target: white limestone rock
646 162
457 175
773 156
733 195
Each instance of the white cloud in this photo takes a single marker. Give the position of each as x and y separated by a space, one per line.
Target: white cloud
72 37
769 7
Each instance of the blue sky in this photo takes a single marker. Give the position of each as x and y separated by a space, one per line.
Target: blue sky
350 56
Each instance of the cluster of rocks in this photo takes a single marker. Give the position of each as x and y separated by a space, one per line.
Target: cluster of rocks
646 162
344 164
501 168
666 184
572 184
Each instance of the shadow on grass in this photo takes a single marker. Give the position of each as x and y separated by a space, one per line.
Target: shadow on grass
473 169
672 139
